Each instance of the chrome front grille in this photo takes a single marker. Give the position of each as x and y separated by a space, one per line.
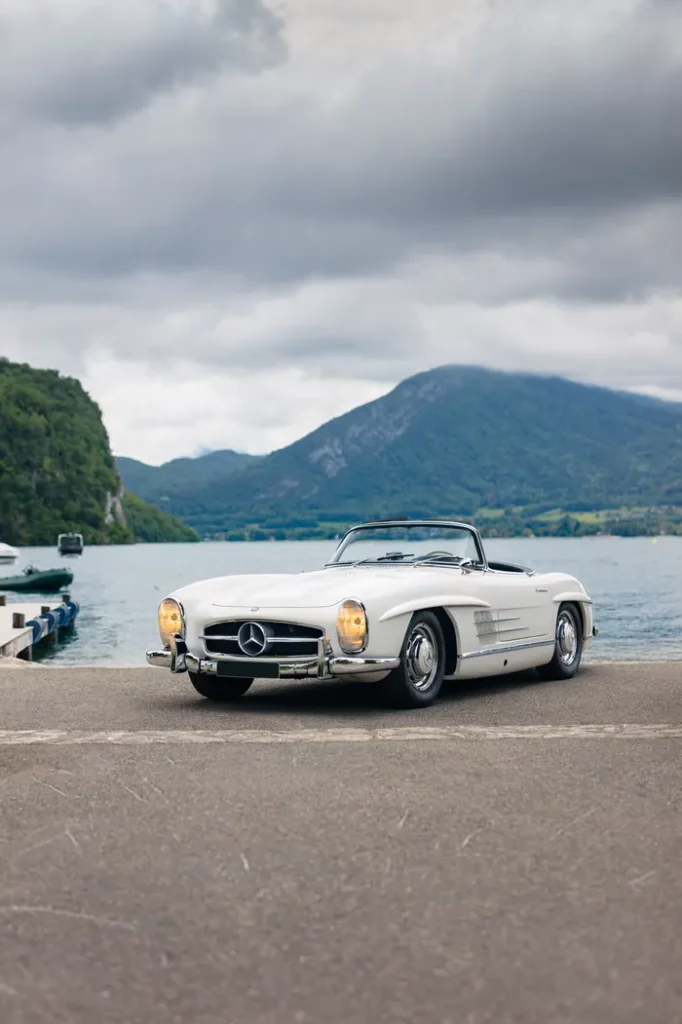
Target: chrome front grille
284 639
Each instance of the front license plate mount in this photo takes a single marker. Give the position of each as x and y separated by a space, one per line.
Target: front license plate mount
266 670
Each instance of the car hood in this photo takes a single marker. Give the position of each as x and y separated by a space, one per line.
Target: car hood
316 589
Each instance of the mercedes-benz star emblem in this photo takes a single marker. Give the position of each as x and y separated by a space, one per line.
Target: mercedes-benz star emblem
252 639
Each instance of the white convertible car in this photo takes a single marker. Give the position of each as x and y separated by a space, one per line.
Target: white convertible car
402 605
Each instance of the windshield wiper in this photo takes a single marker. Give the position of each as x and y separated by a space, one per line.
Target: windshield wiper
351 565
455 560
399 556
390 556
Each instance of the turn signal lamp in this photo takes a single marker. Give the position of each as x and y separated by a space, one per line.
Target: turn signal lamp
351 627
170 621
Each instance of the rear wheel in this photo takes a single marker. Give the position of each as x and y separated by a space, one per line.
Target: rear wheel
568 645
417 681
217 688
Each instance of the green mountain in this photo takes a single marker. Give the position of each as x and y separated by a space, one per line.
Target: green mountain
160 483
456 441
57 472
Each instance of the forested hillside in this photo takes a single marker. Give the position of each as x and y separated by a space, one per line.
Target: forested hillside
457 441
150 524
177 477
57 472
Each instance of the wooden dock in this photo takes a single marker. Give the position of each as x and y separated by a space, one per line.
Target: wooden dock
23 625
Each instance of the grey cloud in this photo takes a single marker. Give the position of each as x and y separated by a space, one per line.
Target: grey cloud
527 121
310 235
536 143
535 169
92 61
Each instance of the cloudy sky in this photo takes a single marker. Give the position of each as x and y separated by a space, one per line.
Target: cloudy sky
234 219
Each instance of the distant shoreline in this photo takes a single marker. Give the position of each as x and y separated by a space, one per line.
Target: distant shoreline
493 524
337 537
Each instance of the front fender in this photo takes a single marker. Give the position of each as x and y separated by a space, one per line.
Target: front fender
432 601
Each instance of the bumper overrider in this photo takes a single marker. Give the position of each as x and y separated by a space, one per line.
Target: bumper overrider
177 658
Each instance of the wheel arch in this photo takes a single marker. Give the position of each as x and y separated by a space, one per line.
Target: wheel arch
557 668
438 606
450 636
583 605
578 607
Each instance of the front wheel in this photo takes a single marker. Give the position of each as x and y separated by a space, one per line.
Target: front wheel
417 681
568 645
217 688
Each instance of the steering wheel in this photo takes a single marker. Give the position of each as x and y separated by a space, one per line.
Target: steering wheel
438 553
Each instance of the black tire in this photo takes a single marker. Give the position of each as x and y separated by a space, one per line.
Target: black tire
415 684
568 646
219 688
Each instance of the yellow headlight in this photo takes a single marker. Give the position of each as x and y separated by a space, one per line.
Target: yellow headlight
170 620
351 627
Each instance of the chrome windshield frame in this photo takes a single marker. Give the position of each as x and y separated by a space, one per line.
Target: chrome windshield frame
406 524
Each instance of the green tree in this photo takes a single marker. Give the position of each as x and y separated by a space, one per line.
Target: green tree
57 473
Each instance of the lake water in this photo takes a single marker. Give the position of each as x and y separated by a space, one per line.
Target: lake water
636 584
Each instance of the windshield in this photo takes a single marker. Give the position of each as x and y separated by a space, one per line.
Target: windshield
408 543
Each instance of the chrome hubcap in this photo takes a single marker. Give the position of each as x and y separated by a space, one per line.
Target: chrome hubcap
567 638
421 656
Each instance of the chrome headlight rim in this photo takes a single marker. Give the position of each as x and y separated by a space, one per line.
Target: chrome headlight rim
166 636
361 606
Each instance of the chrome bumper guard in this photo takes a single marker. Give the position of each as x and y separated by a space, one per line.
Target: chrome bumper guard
177 658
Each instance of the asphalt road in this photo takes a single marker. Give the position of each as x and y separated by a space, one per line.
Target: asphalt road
510 855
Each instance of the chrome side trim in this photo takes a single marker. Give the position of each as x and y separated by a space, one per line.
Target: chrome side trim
507 629
507 649
498 632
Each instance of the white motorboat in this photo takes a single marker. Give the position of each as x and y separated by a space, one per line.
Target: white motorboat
8 554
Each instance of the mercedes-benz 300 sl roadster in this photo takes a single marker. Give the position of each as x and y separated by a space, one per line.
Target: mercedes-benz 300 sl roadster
402 605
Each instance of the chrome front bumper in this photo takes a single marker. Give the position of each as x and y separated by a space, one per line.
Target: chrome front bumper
177 658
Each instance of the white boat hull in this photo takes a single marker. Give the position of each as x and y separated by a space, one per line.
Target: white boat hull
8 554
